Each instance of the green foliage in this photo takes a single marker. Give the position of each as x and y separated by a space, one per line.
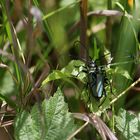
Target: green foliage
49 120
128 124
120 71
6 83
35 42
73 69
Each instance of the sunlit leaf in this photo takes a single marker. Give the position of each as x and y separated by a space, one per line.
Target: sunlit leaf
73 69
47 121
119 70
120 6
128 124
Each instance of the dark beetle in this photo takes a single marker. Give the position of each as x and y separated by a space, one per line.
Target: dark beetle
97 79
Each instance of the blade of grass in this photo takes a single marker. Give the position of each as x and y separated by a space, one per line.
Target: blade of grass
11 36
60 9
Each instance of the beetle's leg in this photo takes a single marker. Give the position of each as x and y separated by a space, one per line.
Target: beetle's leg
107 82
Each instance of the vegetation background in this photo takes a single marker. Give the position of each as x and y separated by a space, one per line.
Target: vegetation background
44 48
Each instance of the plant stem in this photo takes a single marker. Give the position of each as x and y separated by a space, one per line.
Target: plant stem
83 28
109 26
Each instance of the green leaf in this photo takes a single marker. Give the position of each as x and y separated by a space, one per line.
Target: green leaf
123 72
47 121
73 69
128 124
120 6
56 74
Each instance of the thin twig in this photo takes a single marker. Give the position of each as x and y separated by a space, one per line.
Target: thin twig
78 130
10 136
7 123
125 91
100 13
106 13
83 28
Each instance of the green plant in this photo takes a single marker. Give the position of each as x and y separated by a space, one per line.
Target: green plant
44 92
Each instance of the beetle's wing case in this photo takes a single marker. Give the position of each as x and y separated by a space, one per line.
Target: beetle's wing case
96 82
99 85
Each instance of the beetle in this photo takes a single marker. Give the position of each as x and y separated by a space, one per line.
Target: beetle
97 77
97 81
